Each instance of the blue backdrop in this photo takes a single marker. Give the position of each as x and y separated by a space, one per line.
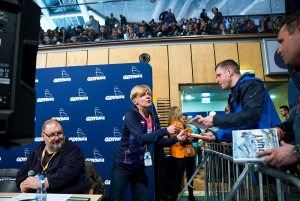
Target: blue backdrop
90 102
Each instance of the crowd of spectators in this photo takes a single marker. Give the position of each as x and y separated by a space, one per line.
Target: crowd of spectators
168 26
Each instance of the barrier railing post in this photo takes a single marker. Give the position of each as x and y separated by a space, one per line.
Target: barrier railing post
240 183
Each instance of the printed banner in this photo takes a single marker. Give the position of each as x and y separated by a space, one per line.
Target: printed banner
90 102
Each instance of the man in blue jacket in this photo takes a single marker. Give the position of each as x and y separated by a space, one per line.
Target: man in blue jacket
250 104
58 159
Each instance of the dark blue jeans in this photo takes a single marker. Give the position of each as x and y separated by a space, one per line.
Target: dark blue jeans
121 176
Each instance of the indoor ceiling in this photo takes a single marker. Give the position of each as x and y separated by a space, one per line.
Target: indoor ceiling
63 13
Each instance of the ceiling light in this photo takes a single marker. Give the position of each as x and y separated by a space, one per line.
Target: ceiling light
189 97
205 94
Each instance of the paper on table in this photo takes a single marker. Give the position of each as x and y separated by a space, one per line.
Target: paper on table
50 197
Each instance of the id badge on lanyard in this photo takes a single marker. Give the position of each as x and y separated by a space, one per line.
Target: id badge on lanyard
147 158
188 149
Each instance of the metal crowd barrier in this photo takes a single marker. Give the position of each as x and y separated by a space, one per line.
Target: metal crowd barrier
226 180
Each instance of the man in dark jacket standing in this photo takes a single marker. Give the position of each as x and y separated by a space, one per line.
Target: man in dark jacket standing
250 104
289 43
58 159
217 19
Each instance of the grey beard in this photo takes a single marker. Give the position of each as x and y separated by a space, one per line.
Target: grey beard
57 146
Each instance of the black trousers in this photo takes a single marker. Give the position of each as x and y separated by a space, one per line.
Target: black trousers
180 165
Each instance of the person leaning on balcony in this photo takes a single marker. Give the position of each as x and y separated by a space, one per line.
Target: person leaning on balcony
289 49
250 104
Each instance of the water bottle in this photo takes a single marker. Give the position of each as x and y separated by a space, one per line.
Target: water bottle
41 193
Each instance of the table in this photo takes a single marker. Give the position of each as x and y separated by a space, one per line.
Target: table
92 197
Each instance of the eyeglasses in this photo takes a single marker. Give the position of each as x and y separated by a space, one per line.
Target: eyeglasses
53 135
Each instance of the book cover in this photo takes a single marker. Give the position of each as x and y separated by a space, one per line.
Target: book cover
247 143
194 122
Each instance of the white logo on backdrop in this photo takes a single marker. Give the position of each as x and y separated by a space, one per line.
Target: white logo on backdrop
38 139
81 96
64 77
98 116
135 71
80 136
97 112
36 80
48 94
23 158
99 76
63 116
117 136
48 97
118 94
98 158
136 74
80 133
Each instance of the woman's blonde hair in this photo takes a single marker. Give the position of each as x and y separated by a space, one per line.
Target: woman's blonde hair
175 113
139 91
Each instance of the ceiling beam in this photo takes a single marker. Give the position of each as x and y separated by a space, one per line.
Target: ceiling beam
184 9
46 13
83 9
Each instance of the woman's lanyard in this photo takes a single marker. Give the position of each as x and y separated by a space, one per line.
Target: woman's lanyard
149 124
43 157
147 154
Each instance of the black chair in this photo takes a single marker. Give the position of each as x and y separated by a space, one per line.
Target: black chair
94 180
8 180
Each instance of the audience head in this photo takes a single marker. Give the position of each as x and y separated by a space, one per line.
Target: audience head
284 110
184 119
142 29
175 113
214 10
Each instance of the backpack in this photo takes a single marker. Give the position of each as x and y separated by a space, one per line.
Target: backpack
94 180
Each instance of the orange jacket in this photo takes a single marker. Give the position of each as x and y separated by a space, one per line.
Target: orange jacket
178 150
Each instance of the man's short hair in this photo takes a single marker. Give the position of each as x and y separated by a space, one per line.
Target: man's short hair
285 107
50 121
229 63
291 21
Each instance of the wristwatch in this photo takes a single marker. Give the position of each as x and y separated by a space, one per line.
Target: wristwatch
296 150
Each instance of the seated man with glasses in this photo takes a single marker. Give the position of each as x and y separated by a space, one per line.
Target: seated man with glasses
58 159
